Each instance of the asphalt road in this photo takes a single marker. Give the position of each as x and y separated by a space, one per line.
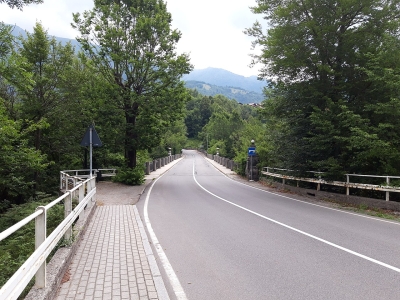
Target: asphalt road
225 240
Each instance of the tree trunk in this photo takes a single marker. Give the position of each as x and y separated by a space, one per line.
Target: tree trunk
131 137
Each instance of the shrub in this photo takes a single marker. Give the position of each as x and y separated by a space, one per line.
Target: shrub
130 176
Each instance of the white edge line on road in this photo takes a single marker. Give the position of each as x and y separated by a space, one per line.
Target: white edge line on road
157 278
299 231
173 279
313 204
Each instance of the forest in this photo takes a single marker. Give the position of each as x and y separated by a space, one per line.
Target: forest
332 104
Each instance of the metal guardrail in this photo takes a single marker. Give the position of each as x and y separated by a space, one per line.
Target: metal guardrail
384 188
35 265
70 178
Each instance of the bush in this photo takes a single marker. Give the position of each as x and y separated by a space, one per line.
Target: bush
130 176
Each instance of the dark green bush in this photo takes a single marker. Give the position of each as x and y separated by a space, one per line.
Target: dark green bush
130 176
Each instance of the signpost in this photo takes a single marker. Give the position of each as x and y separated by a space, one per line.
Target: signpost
91 139
251 152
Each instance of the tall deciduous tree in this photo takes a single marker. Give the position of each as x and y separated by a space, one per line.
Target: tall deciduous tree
133 45
318 53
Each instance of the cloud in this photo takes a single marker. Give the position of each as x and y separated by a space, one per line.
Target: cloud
212 30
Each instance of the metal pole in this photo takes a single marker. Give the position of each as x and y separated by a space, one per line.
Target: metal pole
91 144
251 168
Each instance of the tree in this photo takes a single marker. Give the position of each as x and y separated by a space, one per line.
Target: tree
318 53
133 46
48 62
20 3
17 160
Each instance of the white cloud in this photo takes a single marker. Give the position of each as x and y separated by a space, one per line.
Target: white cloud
212 30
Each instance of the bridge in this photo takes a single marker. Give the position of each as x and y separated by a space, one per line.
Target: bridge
114 258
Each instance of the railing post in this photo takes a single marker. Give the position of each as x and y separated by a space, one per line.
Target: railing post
147 168
40 237
81 196
347 188
155 165
387 183
67 211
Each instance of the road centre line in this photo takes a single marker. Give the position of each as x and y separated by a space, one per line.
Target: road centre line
173 279
308 203
298 230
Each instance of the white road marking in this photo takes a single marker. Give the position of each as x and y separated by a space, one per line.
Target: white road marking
173 279
299 231
308 203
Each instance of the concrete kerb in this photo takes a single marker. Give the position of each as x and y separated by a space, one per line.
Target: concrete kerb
155 271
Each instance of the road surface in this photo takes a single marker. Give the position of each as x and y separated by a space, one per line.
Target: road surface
216 238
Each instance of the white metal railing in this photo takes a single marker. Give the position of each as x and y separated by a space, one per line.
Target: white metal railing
384 188
70 178
35 265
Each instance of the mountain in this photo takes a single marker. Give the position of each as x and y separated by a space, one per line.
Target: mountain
240 95
17 31
209 82
225 78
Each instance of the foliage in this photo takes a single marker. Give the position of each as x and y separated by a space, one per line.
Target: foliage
18 161
130 176
133 46
174 138
334 64
20 3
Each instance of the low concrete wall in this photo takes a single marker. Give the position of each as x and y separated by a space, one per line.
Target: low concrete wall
353 200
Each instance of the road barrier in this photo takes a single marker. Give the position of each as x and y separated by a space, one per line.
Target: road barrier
226 162
153 165
83 190
269 171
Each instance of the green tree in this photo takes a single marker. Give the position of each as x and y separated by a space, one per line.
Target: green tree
17 160
321 106
133 46
20 3
48 62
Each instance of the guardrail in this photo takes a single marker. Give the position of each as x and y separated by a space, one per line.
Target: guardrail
153 165
70 178
226 162
35 265
348 185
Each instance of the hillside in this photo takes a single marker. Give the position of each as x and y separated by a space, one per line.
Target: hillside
17 31
224 78
209 82
240 95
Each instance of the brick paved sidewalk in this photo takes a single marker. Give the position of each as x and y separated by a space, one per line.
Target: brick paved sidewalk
114 259
110 262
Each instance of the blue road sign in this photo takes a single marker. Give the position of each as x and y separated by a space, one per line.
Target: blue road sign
252 151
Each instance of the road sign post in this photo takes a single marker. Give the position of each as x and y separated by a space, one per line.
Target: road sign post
91 139
251 152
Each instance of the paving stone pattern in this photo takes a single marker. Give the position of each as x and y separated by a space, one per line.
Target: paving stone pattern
110 262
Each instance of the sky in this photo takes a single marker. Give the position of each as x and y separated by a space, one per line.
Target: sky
212 30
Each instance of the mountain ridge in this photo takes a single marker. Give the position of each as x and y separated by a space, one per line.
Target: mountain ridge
209 81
